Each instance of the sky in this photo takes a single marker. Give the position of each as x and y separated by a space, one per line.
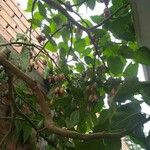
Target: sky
99 10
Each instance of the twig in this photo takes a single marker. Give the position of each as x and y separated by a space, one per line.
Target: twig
54 34
30 30
78 4
71 40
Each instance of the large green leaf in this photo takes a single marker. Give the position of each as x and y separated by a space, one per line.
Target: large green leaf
142 56
127 90
126 51
59 19
108 144
23 59
131 71
80 67
116 65
29 6
79 45
145 92
97 18
74 119
51 46
42 9
27 130
121 27
90 4
138 137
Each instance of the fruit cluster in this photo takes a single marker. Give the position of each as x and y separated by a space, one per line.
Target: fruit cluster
91 89
56 78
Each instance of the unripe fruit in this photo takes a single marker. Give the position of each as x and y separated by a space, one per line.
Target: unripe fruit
56 91
93 88
56 78
61 77
40 38
91 98
61 91
88 88
106 2
95 98
50 78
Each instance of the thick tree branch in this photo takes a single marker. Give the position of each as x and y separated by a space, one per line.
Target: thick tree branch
33 85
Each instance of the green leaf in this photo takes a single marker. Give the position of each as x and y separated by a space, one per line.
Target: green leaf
89 145
127 89
80 67
145 92
90 4
29 6
59 20
103 123
148 141
143 56
74 118
65 34
122 120
121 27
131 107
86 52
26 131
106 144
112 144
46 30
41 8
126 52
51 46
79 45
116 65
38 16
24 58
138 137
88 60
131 70
97 19
35 23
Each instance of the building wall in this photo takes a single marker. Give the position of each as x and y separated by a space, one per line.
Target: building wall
12 22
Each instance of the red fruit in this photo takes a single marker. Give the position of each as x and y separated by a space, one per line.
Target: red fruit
95 98
106 2
56 79
93 88
106 12
40 38
91 98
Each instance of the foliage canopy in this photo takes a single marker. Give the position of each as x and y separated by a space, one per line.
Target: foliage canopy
91 86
